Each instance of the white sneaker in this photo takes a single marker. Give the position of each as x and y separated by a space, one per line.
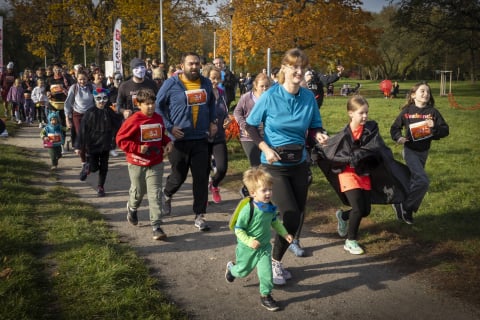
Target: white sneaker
113 153
278 274
353 247
200 223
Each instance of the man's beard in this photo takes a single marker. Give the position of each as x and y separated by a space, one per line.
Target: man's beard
190 76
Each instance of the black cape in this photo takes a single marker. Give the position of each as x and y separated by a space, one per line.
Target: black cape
389 178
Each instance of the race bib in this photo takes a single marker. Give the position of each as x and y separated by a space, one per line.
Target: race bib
151 132
420 130
56 89
54 137
196 97
134 100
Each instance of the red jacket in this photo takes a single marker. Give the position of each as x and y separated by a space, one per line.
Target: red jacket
140 130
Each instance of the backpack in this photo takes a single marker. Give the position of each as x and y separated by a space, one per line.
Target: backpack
240 205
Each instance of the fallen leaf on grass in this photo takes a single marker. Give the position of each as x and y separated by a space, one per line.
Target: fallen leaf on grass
5 273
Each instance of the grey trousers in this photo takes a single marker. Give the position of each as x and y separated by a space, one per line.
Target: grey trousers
419 181
146 180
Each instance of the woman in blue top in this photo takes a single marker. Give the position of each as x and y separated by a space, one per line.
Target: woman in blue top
289 113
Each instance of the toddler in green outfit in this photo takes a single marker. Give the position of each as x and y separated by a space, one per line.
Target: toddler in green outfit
253 234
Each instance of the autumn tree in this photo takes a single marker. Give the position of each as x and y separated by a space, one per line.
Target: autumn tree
182 24
67 25
326 30
451 27
47 35
402 53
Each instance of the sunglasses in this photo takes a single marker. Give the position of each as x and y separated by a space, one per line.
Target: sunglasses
101 98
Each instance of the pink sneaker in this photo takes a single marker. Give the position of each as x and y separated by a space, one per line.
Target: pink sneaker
216 194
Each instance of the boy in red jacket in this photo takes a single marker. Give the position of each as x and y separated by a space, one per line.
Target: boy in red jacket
143 137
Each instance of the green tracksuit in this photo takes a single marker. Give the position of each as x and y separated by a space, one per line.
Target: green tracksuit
247 259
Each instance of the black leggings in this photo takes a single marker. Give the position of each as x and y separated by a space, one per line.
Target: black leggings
220 154
360 201
252 151
290 196
99 162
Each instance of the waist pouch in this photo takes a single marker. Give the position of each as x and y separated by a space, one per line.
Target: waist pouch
290 153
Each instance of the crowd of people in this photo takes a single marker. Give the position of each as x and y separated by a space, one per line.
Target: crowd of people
182 115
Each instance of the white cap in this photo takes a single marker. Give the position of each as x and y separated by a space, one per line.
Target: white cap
10 65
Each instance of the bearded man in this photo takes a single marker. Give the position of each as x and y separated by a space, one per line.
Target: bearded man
187 104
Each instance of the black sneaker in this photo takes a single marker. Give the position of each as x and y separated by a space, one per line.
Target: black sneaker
158 234
100 192
85 171
132 215
407 217
166 204
269 303
398 208
228 275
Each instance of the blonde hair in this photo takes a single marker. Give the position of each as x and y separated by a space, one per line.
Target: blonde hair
291 58
257 177
208 69
355 102
258 78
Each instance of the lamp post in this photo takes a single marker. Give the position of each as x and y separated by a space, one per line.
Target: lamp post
214 43
162 53
232 10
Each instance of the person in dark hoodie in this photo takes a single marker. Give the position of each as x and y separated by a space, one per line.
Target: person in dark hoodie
423 123
127 90
97 129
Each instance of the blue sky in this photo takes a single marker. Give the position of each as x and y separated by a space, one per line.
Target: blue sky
368 5
375 5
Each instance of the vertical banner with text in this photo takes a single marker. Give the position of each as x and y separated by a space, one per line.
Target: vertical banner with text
117 47
1 42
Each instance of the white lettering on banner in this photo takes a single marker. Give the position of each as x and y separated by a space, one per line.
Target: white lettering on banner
117 47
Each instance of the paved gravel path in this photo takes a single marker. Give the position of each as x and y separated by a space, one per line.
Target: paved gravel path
328 284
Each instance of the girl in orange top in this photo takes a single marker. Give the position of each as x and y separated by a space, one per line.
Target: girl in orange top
362 170
356 186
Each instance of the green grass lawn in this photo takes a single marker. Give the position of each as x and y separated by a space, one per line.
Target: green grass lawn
58 257
59 260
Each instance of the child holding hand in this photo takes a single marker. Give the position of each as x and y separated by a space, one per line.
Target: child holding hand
253 234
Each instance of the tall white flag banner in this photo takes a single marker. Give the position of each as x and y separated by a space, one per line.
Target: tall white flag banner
1 42
117 47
